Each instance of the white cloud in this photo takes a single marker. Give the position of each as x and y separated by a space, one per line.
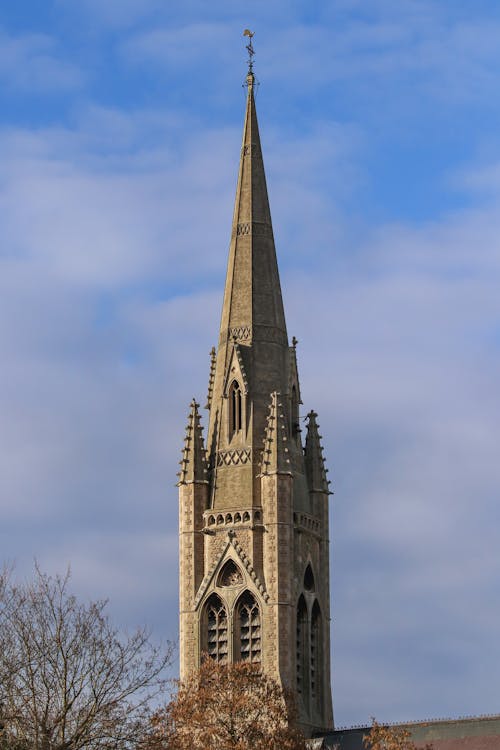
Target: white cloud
30 62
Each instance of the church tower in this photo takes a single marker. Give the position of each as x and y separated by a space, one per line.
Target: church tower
254 559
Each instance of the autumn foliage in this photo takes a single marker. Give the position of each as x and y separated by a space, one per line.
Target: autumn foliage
226 707
389 738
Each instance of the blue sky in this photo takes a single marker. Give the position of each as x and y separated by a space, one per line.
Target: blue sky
120 125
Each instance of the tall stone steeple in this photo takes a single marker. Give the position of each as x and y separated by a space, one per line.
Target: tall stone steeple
254 518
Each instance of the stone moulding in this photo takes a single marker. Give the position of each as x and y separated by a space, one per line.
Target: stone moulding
214 568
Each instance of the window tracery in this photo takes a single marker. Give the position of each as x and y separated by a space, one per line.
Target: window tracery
316 655
216 630
248 629
302 647
230 575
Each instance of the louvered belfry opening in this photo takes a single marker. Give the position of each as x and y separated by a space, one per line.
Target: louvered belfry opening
316 655
216 629
249 629
302 648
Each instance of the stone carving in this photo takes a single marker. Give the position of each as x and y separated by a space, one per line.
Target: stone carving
241 333
234 457
246 563
256 228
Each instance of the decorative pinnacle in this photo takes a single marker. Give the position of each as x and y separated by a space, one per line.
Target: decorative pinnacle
315 463
275 456
193 461
251 54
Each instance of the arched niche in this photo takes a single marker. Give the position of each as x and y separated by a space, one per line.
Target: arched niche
309 584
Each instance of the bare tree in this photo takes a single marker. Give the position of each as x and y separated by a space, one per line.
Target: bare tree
227 707
69 679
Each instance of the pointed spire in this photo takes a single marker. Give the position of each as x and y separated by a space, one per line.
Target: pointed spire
315 463
211 377
193 462
276 453
252 295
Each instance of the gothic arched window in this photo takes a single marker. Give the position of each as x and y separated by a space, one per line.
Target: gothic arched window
309 579
235 410
215 623
302 651
248 635
316 654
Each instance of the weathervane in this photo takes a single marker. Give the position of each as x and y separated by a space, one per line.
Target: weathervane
250 49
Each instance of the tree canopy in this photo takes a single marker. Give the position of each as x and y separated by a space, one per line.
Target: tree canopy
389 738
227 707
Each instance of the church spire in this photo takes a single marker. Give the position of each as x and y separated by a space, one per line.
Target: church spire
253 520
252 296
252 355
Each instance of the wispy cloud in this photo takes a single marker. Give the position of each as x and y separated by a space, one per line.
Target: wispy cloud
32 62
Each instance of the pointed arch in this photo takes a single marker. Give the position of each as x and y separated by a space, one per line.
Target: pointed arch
316 674
247 629
309 584
235 408
215 629
302 649
230 574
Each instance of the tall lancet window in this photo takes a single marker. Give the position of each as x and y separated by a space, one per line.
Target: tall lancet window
316 655
302 651
235 410
248 634
216 629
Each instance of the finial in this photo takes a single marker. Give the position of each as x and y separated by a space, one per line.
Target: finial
251 53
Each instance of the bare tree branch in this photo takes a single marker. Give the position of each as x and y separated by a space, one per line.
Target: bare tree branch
69 680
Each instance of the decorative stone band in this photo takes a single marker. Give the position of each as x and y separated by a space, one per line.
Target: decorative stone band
251 516
245 334
307 522
234 457
241 333
246 562
254 229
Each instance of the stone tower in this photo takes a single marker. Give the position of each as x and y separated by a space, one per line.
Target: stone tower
254 560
